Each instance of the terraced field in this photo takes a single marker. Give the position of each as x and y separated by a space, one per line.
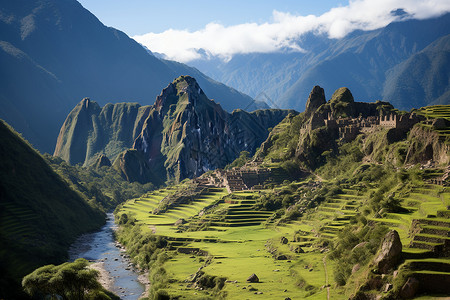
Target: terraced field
425 235
239 241
236 245
436 111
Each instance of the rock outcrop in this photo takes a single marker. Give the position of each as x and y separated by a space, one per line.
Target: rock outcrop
427 145
390 252
133 167
315 100
253 278
102 161
410 288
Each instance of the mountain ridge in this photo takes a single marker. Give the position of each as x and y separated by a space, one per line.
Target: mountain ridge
54 53
358 61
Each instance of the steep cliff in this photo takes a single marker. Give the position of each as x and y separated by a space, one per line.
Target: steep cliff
191 134
90 130
183 134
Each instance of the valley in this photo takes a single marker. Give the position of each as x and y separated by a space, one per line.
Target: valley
124 175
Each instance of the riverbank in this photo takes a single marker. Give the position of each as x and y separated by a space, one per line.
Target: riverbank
104 278
107 281
117 273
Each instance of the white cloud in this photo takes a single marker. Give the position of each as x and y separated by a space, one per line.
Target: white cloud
220 41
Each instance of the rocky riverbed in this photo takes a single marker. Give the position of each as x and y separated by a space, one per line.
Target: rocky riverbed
117 273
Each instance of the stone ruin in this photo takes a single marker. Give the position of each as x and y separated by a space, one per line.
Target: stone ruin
349 128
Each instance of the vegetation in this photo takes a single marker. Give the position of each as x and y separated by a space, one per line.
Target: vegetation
39 214
302 238
72 280
103 187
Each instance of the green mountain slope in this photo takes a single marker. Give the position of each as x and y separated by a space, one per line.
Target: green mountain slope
40 215
423 78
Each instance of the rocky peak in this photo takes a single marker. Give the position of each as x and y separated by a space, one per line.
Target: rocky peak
342 94
87 104
315 100
184 88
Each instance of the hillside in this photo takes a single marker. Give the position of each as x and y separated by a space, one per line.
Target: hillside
423 78
54 53
183 134
359 61
338 203
40 215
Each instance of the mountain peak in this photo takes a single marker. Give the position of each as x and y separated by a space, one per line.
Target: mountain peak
315 100
342 94
183 90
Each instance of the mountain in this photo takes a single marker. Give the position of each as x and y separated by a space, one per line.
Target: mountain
183 134
364 61
90 130
55 52
39 214
423 78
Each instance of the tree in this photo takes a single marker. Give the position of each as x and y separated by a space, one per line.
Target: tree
73 280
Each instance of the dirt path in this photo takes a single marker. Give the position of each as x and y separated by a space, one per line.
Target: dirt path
326 276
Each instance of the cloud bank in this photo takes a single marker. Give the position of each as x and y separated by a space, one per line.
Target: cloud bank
216 40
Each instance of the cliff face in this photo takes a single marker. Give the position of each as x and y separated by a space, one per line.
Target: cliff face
184 134
426 145
191 134
89 131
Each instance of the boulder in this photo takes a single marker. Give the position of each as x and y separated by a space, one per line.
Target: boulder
388 287
390 252
284 240
356 268
253 278
410 288
282 257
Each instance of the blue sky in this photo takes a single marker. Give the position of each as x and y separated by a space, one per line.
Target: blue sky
200 29
137 17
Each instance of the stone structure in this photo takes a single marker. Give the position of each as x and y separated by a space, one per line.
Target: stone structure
349 128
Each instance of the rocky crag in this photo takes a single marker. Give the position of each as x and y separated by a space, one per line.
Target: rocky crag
182 135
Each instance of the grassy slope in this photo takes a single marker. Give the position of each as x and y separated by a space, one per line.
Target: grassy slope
39 214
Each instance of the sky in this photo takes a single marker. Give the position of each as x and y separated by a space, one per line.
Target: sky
199 29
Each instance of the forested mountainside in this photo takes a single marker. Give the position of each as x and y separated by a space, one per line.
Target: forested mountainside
182 135
40 214
384 64
54 53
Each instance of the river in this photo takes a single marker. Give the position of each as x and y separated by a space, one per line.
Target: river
101 248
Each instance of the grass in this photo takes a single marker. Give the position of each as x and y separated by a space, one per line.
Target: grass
238 243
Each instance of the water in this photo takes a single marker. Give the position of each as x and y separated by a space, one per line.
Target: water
101 247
